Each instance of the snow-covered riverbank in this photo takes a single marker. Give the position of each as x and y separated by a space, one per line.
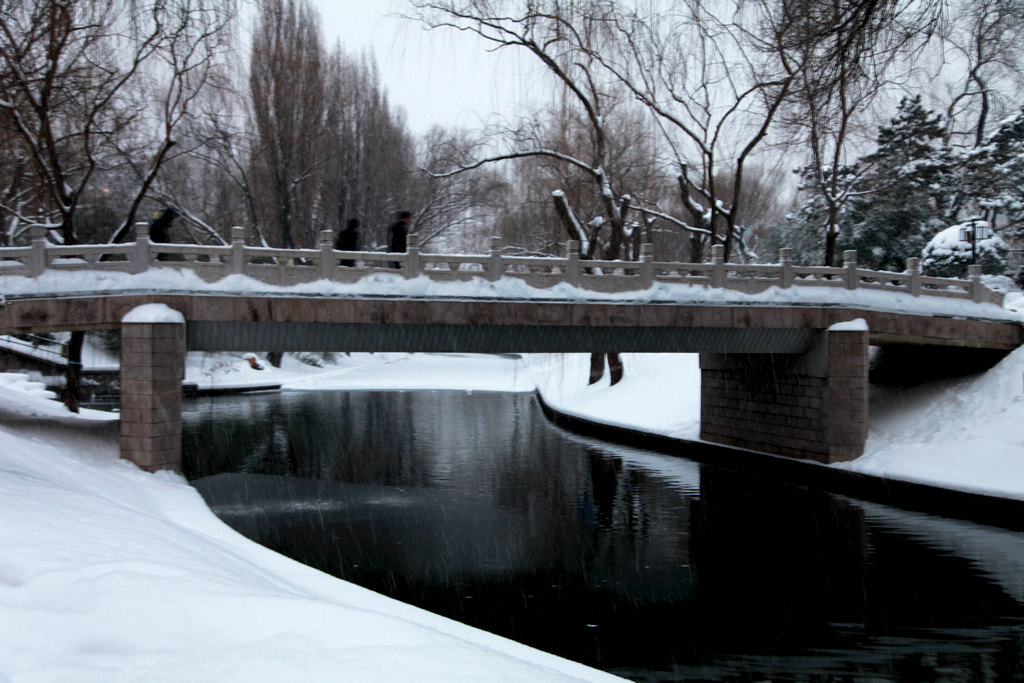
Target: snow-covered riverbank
964 434
111 574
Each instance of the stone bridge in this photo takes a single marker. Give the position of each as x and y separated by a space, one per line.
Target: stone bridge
790 379
784 379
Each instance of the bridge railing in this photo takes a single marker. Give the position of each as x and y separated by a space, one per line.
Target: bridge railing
294 266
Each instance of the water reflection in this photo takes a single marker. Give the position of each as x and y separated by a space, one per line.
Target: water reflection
472 506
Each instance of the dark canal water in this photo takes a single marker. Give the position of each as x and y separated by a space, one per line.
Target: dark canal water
653 567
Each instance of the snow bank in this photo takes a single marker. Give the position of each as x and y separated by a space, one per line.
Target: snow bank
111 574
965 434
22 399
659 392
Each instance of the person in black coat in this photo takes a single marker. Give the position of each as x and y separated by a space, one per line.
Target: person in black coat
160 228
397 233
348 240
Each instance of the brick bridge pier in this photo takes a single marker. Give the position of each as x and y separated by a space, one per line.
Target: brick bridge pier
813 405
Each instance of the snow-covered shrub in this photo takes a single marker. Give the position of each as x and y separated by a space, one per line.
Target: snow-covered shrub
946 255
315 359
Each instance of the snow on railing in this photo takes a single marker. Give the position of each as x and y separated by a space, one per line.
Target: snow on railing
293 266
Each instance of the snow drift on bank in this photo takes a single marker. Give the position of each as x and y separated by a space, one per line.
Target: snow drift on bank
111 574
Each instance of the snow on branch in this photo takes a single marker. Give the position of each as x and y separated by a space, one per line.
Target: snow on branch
516 155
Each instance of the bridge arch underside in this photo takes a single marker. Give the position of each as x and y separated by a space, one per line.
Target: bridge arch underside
775 379
788 391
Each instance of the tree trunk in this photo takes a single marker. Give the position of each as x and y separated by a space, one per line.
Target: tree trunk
831 233
615 368
596 367
72 395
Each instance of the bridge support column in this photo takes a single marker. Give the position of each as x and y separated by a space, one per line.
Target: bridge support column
812 406
152 369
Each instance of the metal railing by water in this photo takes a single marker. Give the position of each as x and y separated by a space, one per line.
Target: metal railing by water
293 266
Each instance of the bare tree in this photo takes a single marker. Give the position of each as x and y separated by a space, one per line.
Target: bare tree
843 54
288 105
456 209
567 38
564 37
69 71
65 66
983 43
370 163
699 70
209 184
191 62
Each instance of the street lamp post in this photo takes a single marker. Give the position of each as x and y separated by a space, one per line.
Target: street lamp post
972 232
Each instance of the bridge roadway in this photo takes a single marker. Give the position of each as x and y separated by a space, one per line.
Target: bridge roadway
773 378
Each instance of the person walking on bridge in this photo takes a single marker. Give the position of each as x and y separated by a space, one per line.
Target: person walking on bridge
348 240
397 234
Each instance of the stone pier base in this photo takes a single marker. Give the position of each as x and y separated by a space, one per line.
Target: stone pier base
152 369
812 406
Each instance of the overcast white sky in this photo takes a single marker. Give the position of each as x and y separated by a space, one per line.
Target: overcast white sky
439 77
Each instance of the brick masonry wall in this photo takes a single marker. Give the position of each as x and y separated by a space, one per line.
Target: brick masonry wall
794 406
152 369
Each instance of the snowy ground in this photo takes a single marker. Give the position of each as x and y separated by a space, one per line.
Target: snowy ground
111 574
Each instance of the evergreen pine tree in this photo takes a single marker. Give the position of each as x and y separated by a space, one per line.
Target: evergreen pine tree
994 176
803 228
902 198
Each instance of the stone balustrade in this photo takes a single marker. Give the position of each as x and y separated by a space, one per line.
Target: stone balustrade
294 266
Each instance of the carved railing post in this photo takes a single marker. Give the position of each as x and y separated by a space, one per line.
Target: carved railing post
572 269
494 268
786 267
37 259
411 268
143 248
646 265
977 289
238 250
914 271
718 265
850 264
327 265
